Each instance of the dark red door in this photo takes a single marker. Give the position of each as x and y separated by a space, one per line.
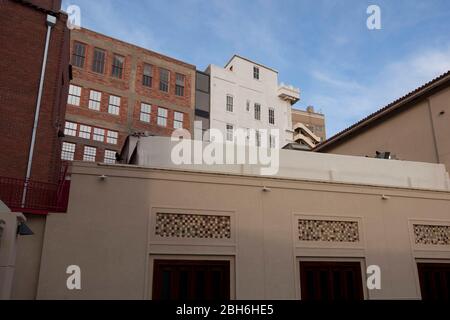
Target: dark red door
191 280
434 280
331 280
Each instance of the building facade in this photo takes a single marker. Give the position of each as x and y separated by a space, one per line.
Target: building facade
246 95
308 126
120 89
202 105
320 222
414 127
24 27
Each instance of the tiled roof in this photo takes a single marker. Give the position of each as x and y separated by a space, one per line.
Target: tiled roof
385 110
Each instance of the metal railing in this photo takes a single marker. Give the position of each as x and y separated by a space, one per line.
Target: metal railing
40 197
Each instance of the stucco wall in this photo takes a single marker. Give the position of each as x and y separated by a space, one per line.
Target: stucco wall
109 231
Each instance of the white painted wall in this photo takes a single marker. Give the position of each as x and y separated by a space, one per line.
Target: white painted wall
242 86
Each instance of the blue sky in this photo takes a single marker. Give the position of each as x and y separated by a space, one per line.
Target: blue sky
321 46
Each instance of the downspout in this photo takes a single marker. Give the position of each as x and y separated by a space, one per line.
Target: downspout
51 21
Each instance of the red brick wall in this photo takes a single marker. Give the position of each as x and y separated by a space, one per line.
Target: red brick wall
129 88
22 38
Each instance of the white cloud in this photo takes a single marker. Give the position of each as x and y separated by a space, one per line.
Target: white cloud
345 102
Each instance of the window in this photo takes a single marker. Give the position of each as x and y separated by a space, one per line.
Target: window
85 132
99 134
74 95
272 141
110 156
229 103
179 85
68 151
434 279
191 280
95 99
146 110
78 54
230 132
178 120
164 79
257 111
162 117
321 280
271 116
117 66
89 154
247 106
98 64
114 105
258 138
112 137
147 75
70 129
255 73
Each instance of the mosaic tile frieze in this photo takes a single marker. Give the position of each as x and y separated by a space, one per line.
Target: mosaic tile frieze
175 225
328 230
432 234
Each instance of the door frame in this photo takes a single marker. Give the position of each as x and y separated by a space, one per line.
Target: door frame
152 258
361 261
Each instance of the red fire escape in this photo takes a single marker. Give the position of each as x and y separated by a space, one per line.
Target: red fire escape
36 197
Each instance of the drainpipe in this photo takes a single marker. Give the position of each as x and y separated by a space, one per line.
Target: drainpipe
51 21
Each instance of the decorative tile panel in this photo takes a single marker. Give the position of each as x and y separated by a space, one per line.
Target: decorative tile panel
432 234
175 225
328 230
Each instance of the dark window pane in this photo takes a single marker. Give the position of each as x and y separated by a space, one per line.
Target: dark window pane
117 66
78 55
164 80
147 75
166 284
98 64
184 285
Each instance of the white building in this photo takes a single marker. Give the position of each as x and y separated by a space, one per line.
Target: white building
246 95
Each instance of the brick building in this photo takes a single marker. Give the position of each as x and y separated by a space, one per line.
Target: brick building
119 89
23 32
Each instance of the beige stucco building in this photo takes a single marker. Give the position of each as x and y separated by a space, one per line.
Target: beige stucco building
414 127
156 230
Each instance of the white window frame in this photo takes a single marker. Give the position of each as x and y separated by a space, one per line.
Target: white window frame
68 151
229 103
258 138
85 131
272 141
70 129
74 95
97 133
89 154
112 137
178 118
114 105
272 116
162 117
95 100
257 108
110 156
256 72
146 111
230 132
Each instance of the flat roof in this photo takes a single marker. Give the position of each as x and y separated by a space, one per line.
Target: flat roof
299 165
